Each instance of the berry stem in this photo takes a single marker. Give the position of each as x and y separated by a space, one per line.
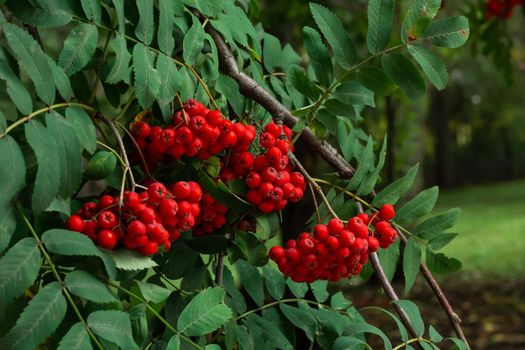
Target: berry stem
53 268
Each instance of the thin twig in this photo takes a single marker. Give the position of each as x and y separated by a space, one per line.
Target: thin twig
219 269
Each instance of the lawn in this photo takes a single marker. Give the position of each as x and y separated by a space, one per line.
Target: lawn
491 227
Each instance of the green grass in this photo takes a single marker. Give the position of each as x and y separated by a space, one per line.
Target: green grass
491 227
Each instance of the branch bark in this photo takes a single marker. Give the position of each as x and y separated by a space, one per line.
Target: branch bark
251 89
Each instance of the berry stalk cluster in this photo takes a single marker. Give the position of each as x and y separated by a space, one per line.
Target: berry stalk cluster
335 250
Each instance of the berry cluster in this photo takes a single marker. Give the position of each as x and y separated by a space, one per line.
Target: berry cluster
211 218
269 176
196 131
501 8
335 250
145 221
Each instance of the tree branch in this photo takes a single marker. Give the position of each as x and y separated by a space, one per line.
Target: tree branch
251 89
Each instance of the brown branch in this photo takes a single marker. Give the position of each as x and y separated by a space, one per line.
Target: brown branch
219 269
251 89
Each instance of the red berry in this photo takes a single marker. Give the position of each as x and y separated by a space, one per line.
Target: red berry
156 192
131 200
386 212
276 253
107 219
107 239
269 174
364 217
273 129
273 155
266 140
357 226
297 179
346 238
105 201
254 197
136 228
292 255
305 245
373 244
181 190
253 180
214 117
149 248
266 189
195 192
335 226
321 232
89 209
168 207
332 242
75 223
141 130
266 206
147 215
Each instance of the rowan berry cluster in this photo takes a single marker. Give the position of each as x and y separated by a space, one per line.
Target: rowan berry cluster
196 131
211 218
335 250
145 221
501 8
269 176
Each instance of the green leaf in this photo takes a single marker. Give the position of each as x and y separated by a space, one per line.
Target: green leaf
129 260
170 79
77 338
165 37
15 89
405 74
440 264
32 59
391 193
84 285
7 225
336 35
68 151
435 225
79 47
205 313
83 128
270 331
92 10
365 164
359 327
251 280
401 327
61 80
44 13
434 334
339 302
228 87
346 343
448 32
147 78
411 260
152 292
119 9
301 319
380 17
174 343
47 180
368 185
18 269
376 80
298 289
353 93
300 81
193 42
441 240
271 52
145 26
418 16
319 288
234 299
71 243
389 258
113 326
458 344
413 314
39 320
101 165
12 177
418 206
120 68
432 65
207 8
318 53
274 281
254 250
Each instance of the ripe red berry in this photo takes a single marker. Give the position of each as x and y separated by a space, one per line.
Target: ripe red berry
266 206
147 215
195 192
136 228
357 226
131 200
273 155
373 244
140 130
107 239
292 255
105 201
168 207
297 179
107 219
75 223
273 129
89 209
156 192
346 238
335 226
332 242
276 253
305 245
181 190
149 248
266 189
254 197
253 180
386 212
321 232
269 174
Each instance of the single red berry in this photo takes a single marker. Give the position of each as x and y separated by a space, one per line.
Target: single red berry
75 223
266 189
266 140
283 145
273 155
195 192
193 107
141 130
292 255
260 163
105 201
332 242
157 192
168 207
253 180
266 206
131 200
106 220
283 177
321 232
254 197
107 239
373 244
346 238
214 117
297 179
273 129
364 217
89 209
276 253
246 160
149 248
269 174
136 228
342 252
181 190
305 245
357 226
335 226
310 262
289 191
386 212
147 215
184 134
